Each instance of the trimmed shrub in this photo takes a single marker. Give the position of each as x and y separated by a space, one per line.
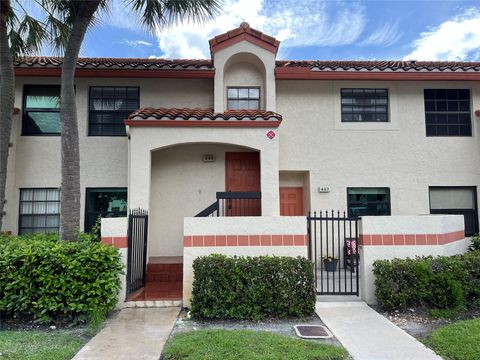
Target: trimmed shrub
47 279
446 283
475 243
252 287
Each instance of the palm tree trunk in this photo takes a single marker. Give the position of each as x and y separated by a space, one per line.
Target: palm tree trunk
7 100
70 194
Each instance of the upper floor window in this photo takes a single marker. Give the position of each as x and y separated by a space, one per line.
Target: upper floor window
41 110
109 106
39 210
243 98
368 201
364 105
447 112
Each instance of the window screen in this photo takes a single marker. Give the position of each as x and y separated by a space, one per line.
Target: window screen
39 210
447 112
368 201
364 105
243 98
41 110
456 201
104 202
109 107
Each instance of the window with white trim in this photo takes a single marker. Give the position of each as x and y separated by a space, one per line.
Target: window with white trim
243 98
39 210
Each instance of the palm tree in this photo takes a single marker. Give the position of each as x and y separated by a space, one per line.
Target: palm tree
18 35
76 16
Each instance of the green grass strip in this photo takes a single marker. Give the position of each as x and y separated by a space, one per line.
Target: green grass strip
247 345
458 341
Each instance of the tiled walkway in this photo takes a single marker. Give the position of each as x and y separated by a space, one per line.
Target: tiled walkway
138 334
367 335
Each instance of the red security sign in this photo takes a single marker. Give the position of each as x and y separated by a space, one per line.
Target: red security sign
271 134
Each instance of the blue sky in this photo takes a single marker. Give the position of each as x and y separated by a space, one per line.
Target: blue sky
308 29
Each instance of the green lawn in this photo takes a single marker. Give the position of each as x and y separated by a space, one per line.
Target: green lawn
40 344
458 341
246 345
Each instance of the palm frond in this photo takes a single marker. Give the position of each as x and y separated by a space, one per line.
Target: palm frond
26 34
155 14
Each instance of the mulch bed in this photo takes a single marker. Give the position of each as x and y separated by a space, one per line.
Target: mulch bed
419 324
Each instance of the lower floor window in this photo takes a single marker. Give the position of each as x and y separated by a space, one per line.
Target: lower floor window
456 201
39 210
368 201
104 202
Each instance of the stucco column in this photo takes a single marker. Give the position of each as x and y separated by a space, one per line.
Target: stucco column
269 178
139 175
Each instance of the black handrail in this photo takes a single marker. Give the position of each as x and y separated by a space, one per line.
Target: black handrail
234 204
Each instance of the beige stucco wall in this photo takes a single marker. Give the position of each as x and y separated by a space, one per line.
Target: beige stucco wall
397 155
311 139
244 52
35 160
182 185
245 70
149 184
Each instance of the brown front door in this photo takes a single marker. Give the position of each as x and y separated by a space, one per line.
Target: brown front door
291 201
243 175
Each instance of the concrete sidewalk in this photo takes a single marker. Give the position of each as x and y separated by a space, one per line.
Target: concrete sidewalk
367 335
135 333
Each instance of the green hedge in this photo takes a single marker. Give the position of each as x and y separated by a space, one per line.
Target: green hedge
48 279
442 282
252 287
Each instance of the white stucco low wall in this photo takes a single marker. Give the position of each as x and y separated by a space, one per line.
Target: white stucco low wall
114 232
390 237
248 225
240 236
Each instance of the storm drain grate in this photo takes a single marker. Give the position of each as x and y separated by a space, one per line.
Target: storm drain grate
312 331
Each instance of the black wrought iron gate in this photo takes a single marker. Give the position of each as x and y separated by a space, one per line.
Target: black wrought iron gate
333 248
137 249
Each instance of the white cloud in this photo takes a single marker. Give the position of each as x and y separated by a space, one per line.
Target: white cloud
134 43
306 23
456 39
386 35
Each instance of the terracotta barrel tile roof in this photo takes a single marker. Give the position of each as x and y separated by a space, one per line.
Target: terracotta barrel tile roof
118 63
314 65
203 114
244 28
385 66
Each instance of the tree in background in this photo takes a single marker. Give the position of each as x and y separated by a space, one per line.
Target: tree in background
69 21
20 34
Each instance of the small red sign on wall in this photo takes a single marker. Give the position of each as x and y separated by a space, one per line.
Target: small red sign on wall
271 134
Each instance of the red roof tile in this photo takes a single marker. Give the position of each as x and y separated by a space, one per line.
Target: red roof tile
314 65
118 63
380 65
244 29
203 114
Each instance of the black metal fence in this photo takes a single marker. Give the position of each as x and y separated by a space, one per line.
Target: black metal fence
137 249
333 248
235 204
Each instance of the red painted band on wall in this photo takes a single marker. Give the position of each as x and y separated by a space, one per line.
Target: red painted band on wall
120 242
411 239
244 240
